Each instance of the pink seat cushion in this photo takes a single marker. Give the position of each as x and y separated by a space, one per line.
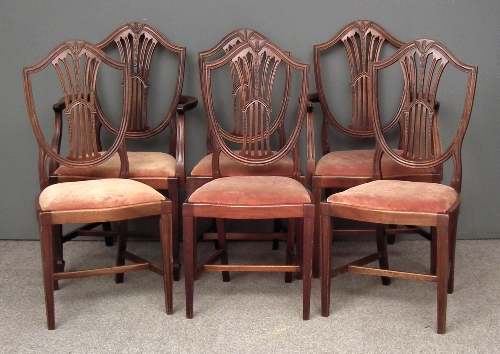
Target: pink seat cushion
395 195
251 191
141 164
359 163
97 194
228 167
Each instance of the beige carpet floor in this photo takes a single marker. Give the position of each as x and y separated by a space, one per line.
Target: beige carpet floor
255 312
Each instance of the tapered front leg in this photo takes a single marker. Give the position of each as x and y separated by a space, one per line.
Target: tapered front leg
47 247
307 260
326 255
317 243
189 261
453 246
173 195
167 257
442 271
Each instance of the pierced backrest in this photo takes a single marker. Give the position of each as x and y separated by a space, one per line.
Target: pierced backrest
136 43
422 64
223 47
77 64
255 64
363 42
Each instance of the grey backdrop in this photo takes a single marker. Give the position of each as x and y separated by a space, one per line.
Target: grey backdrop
30 28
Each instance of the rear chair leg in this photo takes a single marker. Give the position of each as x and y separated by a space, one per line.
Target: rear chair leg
381 236
221 238
122 246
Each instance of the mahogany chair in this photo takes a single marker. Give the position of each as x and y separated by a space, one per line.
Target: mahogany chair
202 172
77 65
387 201
137 43
364 42
264 76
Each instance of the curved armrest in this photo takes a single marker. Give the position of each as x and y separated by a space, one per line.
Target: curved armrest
313 97
57 134
59 106
186 103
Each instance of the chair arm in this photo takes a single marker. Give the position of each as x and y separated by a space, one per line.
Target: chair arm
59 106
186 103
313 97
311 154
57 133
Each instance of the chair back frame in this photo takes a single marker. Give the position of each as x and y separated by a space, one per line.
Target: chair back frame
422 62
255 63
77 65
363 41
136 43
225 45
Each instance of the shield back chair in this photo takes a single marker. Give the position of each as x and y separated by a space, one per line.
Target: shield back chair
388 201
363 42
137 43
202 172
77 65
264 74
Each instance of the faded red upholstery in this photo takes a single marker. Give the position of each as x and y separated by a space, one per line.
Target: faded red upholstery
141 164
359 163
228 167
97 194
396 195
251 190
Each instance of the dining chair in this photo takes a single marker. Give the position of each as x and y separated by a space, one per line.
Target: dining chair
361 43
157 105
78 66
264 80
386 201
202 171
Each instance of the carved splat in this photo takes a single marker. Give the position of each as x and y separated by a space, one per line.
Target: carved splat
77 70
422 69
363 42
363 45
255 72
136 48
255 64
76 64
226 45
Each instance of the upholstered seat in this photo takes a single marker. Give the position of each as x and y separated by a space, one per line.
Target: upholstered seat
251 191
395 195
97 194
149 164
228 167
358 163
